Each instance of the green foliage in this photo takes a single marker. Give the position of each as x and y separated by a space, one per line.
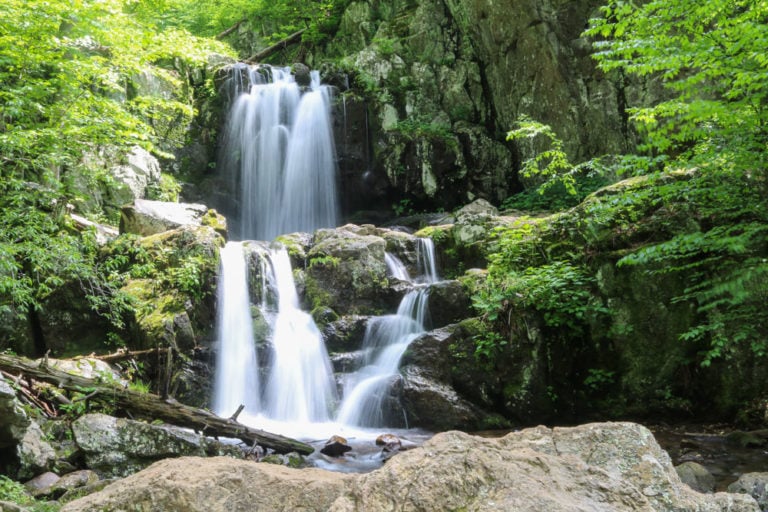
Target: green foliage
139 386
167 189
324 261
488 346
414 129
63 75
40 253
551 164
711 56
403 207
187 277
554 182
599 378
277 20
13 491
556 196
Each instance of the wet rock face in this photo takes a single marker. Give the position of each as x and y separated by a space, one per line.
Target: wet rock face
346 271
441 83
599 466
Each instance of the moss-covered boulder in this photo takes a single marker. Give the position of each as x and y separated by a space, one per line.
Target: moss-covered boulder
174 303
346 271
120 447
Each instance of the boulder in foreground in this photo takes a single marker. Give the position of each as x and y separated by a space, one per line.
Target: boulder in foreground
595 467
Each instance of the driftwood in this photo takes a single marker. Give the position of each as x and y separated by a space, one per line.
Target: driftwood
149 406
284 43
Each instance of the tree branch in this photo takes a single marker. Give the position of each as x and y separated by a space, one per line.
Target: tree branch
225 33
284 43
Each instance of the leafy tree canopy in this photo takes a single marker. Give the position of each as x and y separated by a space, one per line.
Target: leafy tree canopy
712 58
65 74
275 20
64 68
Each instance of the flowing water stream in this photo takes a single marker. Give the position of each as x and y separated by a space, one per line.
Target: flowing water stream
280 153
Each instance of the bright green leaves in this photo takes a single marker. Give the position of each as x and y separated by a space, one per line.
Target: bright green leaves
77 78
552 181
64 72
711 55
38 251
550 165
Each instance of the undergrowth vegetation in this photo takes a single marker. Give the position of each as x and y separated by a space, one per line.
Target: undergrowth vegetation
695 206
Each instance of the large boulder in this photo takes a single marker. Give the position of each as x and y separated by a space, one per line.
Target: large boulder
34 453
13 420
174 307
434 405
218 484
120 447
696 476
345 334
346 272
448 303
612 467
139 170
145 217
753 484
24 452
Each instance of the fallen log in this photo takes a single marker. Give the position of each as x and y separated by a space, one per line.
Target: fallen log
152 407
283 43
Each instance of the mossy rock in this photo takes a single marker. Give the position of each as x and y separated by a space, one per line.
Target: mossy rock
346 272
215 220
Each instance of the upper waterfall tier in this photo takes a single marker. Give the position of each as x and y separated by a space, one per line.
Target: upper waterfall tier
280 154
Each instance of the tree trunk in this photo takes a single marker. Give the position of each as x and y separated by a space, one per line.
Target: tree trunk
151 407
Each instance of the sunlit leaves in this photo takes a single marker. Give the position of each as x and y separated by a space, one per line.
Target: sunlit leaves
64 71
711 54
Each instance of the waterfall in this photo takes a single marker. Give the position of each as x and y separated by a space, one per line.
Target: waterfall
385 341
396 267
235 381
279 154
279 151
300 385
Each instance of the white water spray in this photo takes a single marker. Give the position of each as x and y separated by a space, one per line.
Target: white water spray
386 339
280 152
235 382
300 385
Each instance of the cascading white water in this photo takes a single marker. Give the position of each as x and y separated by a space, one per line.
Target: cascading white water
280 152
386 339
396 267
300 385
235 382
